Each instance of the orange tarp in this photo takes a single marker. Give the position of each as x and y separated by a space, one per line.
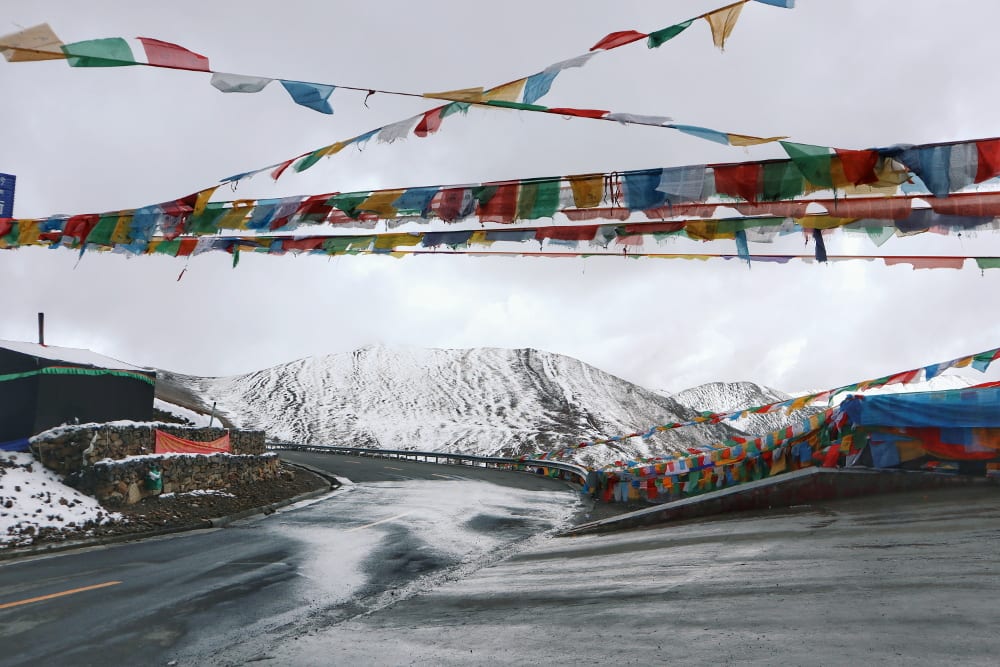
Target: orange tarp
170 444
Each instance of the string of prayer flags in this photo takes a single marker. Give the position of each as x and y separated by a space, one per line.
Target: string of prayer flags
981 361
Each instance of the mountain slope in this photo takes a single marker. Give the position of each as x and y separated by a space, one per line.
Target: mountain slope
483 401
731 396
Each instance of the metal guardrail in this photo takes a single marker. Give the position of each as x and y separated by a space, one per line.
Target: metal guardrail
579 472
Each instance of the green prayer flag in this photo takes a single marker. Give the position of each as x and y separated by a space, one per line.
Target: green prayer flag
455 107
537 199
484 193
660 37
781 180
341 244
516 105
102 231
988 262
168 248
349 202
108 52
207 221
813 161
12 236
309 160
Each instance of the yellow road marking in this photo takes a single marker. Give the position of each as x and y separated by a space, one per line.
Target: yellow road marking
392 518
391 468
8 605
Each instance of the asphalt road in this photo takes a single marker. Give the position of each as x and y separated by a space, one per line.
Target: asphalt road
198 597
368 469
435 571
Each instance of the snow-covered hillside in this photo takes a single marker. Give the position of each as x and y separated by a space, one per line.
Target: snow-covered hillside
732 396
483 400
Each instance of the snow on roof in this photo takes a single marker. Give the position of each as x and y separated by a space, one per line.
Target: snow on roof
69 355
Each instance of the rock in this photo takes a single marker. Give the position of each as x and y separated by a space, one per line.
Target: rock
134 494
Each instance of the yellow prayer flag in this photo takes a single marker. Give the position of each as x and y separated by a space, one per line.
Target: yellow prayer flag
28 232
202 201
237 216
461 95
722 22
381 203
508 92
588 190
479 239
390 241
823 221
35 43
800 402
747 140
707 230
120 234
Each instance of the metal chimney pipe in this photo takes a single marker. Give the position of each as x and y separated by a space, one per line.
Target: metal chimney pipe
41 328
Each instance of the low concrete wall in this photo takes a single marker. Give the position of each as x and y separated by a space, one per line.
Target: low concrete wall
795 488
124 482
68 450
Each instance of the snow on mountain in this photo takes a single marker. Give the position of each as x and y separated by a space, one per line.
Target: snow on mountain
481 401
732 396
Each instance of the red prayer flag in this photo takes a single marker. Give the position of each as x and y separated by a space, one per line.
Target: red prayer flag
985 204
449 203
620 38
832 456
165 54
568 233
859 166
582 113
502 206
80 226
186 247
989 159
740 180
430 123
276 174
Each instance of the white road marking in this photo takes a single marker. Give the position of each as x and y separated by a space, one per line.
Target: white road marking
451 477
391 468
369 525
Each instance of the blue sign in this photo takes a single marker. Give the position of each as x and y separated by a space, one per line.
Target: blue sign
7 195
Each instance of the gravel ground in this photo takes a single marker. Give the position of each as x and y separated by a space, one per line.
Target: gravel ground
190 510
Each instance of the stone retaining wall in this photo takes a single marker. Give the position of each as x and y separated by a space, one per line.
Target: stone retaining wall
124 482
111 461
69 450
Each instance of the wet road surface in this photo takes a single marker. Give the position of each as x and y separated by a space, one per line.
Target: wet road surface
206 597
904 579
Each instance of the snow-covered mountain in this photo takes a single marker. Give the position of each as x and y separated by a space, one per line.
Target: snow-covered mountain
481 401
732 396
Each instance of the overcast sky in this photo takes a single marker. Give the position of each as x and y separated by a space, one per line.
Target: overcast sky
850 73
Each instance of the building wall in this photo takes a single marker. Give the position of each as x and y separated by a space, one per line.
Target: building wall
17 408
81 399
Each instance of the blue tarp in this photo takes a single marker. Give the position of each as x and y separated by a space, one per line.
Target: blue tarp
954 408
19 445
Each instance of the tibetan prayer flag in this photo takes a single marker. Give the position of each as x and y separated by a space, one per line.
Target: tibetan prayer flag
415 201
538 199
502 206
567 233
588 190
642 189
722 22
78 227
813 161
165 54
381 203
429 123
397 130
451 204
859 166
748 140
683 184
616 39
986 204
786 4
739 180
582 113
508 92
238 83
35 43
537 86
661 37
988 162
703 133
311 95
780 181
461 95
820 245
109 52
